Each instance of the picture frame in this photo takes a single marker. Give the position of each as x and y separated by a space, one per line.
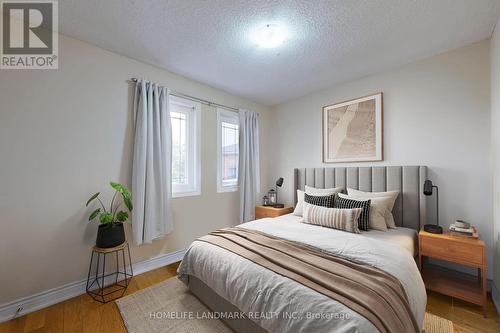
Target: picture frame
352 131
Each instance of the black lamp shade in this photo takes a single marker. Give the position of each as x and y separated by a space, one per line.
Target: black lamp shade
279 182
428 187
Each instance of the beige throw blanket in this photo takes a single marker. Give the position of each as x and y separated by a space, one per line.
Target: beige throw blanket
369 291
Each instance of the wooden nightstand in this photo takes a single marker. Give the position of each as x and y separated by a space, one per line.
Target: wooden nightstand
268 211
457 249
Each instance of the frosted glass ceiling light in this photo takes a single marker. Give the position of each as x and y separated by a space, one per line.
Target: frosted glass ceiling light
269 36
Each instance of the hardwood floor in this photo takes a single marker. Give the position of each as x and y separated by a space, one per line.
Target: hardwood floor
466 317
82 314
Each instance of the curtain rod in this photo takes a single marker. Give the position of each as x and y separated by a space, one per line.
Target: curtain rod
196 99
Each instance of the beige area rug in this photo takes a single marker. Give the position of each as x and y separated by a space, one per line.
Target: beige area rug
169 306
435 324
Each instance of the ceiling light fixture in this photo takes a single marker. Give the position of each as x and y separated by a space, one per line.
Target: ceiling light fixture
269 36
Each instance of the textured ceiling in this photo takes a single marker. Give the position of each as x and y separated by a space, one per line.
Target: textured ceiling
330 40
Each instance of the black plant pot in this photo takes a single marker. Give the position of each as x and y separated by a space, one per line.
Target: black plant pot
110 235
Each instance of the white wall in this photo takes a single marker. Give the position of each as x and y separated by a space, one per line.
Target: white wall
495 146
436 113
64 134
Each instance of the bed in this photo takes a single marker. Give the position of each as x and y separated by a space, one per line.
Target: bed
227 282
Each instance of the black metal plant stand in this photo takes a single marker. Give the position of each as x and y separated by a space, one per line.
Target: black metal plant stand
108 289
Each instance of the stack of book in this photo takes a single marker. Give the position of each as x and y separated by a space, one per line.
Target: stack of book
456 230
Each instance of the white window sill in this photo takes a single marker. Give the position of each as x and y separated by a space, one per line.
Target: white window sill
185 194
227 189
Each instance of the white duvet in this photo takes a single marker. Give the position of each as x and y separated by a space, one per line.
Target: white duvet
279 304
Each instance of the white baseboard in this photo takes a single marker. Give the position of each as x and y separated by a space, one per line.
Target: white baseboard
49 297
495 295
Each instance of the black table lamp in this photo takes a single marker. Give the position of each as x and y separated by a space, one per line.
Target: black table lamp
279 183
428 189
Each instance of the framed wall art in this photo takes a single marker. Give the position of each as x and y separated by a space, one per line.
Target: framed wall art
353 130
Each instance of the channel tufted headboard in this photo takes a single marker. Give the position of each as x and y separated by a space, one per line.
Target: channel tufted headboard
409 210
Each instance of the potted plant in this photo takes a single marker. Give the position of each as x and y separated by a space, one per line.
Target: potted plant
111 232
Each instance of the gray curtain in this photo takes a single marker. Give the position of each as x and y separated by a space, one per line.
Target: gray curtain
249 168
152 164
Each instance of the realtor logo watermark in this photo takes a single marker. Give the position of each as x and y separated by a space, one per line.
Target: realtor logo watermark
29 38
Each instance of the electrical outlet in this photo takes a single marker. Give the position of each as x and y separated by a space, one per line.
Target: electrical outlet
19 309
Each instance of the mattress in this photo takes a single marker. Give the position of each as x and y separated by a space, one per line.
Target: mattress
254 289
404 237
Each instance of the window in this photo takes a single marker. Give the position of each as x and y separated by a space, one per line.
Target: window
227 150
185 118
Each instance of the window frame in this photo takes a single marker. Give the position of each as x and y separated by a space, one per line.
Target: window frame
193 139
233 118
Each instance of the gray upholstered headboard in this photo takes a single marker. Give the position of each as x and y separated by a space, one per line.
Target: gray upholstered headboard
409 210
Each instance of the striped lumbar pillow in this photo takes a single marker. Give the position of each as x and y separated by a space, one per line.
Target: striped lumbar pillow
344 203
342 219
378 210
324 201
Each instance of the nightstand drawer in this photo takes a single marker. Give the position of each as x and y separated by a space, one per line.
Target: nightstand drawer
267 211
261 213
467 254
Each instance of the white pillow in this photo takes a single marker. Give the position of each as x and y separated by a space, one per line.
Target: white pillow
393 195
323 191
313 191
378 209
299 207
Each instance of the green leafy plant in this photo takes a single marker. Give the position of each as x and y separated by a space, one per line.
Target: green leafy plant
113 215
